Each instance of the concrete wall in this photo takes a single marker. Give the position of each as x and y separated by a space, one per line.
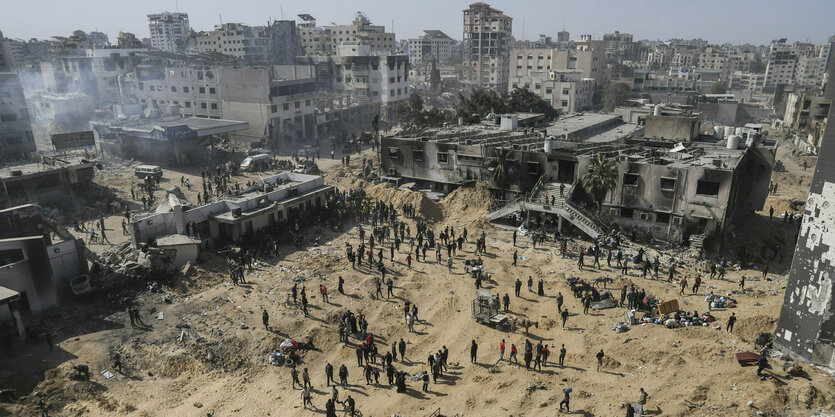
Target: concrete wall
806 328
32 275
67 261
681 128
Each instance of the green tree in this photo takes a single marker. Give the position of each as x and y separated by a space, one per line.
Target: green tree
479 104
717 88
411 111
503 167
615 94
523 100
601 177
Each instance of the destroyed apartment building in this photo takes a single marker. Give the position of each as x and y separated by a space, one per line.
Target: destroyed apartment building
49 180
164 140
672 182
280 199
40 265
806 327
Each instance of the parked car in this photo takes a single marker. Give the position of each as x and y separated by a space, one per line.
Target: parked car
143 171
254 162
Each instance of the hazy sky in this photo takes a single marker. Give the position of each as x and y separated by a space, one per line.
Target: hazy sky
718 21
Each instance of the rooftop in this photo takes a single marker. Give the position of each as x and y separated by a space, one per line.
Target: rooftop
28 168
201 125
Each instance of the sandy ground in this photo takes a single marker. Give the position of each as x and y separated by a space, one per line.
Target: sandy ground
220 367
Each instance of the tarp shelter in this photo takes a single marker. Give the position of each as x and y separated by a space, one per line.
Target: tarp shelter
12 298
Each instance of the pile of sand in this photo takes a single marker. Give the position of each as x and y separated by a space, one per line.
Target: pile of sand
424 207
467 205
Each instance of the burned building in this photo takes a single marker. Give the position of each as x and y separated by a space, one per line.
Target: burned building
47 181
666 189
37 262
280 199
806 328
173 140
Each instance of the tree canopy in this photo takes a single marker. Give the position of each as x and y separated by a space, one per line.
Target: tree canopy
717 88
482 102
601 177
615 94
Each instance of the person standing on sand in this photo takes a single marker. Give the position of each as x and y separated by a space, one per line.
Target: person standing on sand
501 350
329 376
562 356
599 357
559 302
564 315
731 321
473 351
294 374
343 375
265 317
683 284
518 286
530 283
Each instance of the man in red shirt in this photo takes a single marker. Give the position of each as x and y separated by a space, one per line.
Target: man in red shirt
697 283
501 350
513 352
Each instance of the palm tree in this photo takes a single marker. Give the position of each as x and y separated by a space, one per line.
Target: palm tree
503 166
601 178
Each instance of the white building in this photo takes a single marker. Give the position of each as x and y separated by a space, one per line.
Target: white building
565 90
249 43
324 40
277 43
589 57
433 45
168 30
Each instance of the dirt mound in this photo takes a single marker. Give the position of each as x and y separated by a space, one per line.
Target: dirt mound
181 364
748 328
424 207
467 204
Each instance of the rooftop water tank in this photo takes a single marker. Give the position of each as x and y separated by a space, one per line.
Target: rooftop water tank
729 130
738 131
733 141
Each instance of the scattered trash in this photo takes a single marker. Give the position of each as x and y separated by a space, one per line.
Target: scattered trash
620 327
533 386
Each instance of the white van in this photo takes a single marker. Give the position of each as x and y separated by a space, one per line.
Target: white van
254 162
143 171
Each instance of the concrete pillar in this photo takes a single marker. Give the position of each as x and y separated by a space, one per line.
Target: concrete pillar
18 320
559 224
179 216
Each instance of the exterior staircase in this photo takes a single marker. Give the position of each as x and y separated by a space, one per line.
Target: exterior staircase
541 201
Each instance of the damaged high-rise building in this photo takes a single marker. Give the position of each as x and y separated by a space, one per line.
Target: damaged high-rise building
806 328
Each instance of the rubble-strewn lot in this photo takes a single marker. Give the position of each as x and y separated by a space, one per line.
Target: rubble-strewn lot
207 352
